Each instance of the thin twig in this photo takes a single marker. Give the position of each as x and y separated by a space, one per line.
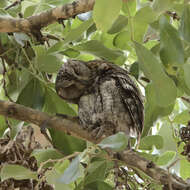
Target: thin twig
4 81
57 160
13 4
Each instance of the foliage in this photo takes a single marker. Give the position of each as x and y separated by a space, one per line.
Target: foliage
151 39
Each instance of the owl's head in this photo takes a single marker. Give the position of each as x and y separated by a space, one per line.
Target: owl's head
72 80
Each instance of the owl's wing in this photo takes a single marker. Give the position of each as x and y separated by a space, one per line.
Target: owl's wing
131 98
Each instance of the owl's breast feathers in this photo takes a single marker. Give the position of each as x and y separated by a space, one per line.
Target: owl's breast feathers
105 94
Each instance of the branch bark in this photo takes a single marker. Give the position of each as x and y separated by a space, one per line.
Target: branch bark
72 127
33 24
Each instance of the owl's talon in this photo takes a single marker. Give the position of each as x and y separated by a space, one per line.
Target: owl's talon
98 132
64 116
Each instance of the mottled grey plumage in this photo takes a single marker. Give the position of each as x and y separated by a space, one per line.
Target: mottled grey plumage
108 99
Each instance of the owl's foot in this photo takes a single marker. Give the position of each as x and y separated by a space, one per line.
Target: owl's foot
98 132
67 116
43 126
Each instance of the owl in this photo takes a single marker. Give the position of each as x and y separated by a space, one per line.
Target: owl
108 99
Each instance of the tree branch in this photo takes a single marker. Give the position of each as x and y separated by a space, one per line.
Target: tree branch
22 113
72 127
34 23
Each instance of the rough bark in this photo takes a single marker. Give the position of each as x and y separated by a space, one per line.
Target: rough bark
33 24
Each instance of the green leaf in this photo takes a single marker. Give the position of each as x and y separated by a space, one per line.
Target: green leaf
18 80
117 142
30 10
134 69
153 70
184 169
53 176
120 23
122 39
181 83
99 185
73 172
185 23
104 21
186 69
148 142
32 95
77 32
98 49
141 20
43 155
182 118
129 5
165 158
71 53
57 47
146 15
54 104
21 38
17 172
152 110
46 62
3 3
66 143
171 47
96 171
168 136
3 125
162 5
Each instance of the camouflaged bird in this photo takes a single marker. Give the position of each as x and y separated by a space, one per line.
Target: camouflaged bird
108 99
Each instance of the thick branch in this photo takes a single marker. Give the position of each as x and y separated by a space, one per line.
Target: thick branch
71 126
35 23
22 113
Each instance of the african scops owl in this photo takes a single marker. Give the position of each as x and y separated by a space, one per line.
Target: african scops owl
108 99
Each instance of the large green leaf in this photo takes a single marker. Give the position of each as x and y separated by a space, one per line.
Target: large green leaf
122 40
152 110
54 104
153 69
77 32
45 61
186 69
129 7
183 80
166 158
33 95
162 5
185 23
18 80
118 25
143 17
104 21
73 172
182 118
43 155
99 185
53 176
171 47
96 171
98 49
117 142
17 172
167 134
148 142
3 125
184 169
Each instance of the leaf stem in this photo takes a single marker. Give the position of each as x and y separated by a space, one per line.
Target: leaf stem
131 24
